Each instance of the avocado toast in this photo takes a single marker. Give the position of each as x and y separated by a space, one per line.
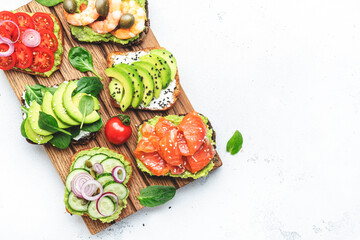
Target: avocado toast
108 173
61 114
124 22
177 146
37 42
147 79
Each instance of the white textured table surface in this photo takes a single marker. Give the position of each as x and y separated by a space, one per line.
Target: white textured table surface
285 73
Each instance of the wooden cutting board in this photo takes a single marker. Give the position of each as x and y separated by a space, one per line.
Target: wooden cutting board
61 158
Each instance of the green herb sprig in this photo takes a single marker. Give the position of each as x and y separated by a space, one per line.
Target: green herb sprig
235 143
82 60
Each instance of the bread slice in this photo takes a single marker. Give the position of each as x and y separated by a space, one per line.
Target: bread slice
61 38
176 93
141 37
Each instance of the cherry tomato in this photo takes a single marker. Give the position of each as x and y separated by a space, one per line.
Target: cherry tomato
9 27
48 40
118 130
43 60
43 21
24 56
24 20
7 63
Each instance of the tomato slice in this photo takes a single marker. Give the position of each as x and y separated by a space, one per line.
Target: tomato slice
48 40
15 36
24 56
8 27
43 60
7 63
24 20
43 21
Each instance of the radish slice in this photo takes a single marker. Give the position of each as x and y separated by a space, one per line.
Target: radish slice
89 188
78 181
31 38
107 194
115 174
98 168
5 39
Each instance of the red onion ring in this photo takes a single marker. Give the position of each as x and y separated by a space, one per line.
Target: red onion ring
105 195
115 175
87 190
31 38
9 51
6 39
98 168
78 181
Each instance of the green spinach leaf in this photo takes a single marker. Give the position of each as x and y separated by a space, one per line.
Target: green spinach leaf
74 131
25 110
34 93
86 106
89 85
61 140
156 195
93 127
49 3
49 123
81 59
235 143
23 133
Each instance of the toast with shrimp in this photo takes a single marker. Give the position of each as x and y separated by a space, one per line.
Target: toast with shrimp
96 21
104 170
147 79
36 40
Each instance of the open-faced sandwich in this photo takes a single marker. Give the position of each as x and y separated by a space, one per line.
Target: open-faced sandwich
147 79
61 114
97 184
176 146
30 42
121 21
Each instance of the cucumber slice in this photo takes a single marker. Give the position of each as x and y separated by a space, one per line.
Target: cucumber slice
71 176
105 178
77 204
110 163
97 158
80 162
106 206
119 189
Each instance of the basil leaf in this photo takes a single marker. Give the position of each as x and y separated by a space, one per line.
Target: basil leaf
23 133
34 93
61 140
86 106
89 85
93 127
235 143
49 3
156 195
81 59
49 123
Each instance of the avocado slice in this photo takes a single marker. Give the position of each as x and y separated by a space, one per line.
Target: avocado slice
116 90
161 65
78 96
59 110
34 114
155 75
148 83
47 108
34 137
74 111
136 81
126 82
169 59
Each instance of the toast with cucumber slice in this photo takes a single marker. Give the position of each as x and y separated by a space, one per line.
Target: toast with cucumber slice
106 174
147 79
62 114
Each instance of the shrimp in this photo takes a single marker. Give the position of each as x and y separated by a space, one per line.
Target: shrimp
89 15
140 16
112 19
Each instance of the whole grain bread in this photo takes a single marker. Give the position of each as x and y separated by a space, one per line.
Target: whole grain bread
61 37
141 37
176 93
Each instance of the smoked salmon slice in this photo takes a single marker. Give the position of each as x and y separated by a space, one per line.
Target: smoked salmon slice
163 126
169 148
153 162
201 158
